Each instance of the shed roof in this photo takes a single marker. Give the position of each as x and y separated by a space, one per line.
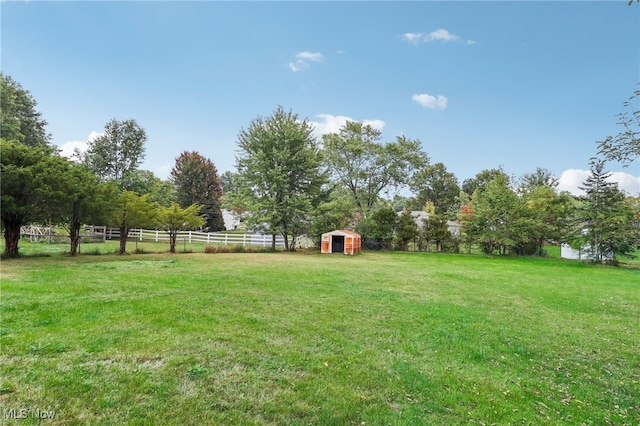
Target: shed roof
343 232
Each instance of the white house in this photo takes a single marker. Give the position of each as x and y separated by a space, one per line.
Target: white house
231 220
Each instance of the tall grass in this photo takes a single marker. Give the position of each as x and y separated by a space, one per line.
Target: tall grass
280 338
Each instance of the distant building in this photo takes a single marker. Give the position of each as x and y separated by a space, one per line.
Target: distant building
231 220
419 216
583 253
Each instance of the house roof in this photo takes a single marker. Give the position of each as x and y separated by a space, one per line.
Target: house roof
419 215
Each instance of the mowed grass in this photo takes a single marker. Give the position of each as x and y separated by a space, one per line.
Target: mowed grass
304 338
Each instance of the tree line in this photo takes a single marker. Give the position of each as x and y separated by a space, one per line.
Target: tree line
289 183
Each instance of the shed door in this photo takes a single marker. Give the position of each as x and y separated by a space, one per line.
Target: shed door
337 244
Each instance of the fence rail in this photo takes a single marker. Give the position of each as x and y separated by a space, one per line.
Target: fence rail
36 234
198 237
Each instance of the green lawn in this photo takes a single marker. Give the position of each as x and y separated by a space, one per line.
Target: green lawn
304 338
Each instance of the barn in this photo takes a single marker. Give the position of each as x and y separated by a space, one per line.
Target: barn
341 241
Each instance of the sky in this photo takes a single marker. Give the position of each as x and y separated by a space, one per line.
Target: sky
510 84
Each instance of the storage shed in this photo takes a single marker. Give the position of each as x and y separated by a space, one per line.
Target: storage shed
341 241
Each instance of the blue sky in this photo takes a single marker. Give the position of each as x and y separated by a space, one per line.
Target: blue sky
481 84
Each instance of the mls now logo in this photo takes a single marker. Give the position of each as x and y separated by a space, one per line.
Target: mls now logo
15 413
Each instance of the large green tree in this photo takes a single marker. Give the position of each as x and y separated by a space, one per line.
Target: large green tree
280 181
434 183
117 153
363 165
25 187
195 180
19 119
499 216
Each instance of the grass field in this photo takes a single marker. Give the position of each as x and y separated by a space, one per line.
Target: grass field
304 338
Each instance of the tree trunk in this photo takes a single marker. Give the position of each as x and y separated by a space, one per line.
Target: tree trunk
286 241
74 236
124 233
173 236
11 237
273 242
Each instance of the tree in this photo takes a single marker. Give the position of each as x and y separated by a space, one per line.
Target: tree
146 182
77 198
19 120
434 183
382 227
195 180
406 230
365 167
550 214
25 187
540 178
280 182
435 229
625 146
498 216
400 202
469 186
470 226
175 218
336 213
116 154
131 210
606 220
228 182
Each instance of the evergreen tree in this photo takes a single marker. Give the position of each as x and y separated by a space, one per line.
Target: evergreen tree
406 230
606 220
25 187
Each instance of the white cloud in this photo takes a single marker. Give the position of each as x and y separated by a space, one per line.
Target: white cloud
68 149
571 179
627 182
437 35
315 57
333 123
440 35
431 102
376 124
412 37
303 59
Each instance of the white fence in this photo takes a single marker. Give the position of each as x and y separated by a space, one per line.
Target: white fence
199 237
